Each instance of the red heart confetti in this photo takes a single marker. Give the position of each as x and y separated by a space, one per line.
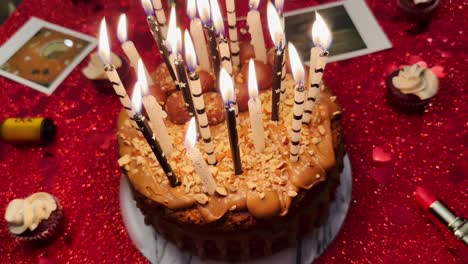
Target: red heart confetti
439 71
379 155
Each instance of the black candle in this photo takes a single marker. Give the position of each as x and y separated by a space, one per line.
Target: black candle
184 86
158 37
227 91
145 129
213 48
147 132
276 88
233 138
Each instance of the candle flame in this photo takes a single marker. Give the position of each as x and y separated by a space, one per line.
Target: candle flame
122 28
141 73
275 27
148 7
253 86
190 55
296 64
217 17
226 86
136 98
253 4
192 9
279 4
104 49
191 135
203 7
321 35
171 40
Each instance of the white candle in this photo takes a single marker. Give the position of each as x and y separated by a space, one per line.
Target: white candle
299 98
128 47
160 16
255 111
196 30
223 46
198 163
256 32
197 98
155 113
322 38
233 38
111 72
279 4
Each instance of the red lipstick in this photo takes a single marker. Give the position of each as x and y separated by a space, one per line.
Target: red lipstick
457 225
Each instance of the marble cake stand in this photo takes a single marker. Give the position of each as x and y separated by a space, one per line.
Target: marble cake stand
157 250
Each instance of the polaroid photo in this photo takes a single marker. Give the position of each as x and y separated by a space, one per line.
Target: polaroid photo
41 55
354 29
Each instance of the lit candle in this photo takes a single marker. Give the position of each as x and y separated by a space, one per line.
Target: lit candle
128 47
255 111
256 31
322 38
233 38
158 37
171 42
223 45
147 132
197 98
175 41
155 112
196 29
111 72
198 162
160 16
299 97
278 38
203 7
279 4
227 91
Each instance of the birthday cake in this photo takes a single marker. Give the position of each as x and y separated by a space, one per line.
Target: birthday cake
263 210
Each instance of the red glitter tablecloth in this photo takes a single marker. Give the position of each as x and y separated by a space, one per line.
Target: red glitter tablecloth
384 224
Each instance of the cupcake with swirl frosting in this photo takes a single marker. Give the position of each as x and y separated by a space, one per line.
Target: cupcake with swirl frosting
38 217
410 88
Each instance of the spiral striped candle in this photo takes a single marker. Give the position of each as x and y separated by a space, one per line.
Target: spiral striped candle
197 98
299 98
233 37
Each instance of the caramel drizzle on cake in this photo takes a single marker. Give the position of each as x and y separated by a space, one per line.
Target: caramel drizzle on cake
270 182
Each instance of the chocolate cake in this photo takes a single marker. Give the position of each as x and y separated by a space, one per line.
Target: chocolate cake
267 208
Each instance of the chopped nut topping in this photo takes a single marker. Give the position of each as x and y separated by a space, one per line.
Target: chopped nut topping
251 185
292 193
317 176
221 191
233 208
262 195
124 160
321 130
315 140
333 98
201 198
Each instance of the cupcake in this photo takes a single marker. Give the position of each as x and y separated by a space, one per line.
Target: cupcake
35 218
418 10
94 71
410 88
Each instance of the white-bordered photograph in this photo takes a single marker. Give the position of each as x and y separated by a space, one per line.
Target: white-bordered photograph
40 54
354 28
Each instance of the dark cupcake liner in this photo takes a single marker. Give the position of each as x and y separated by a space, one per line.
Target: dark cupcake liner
404 103
47 229
418 13
104 86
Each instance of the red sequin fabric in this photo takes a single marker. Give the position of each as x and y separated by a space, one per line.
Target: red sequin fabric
384 224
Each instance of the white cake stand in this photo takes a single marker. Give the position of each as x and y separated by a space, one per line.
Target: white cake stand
158 250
